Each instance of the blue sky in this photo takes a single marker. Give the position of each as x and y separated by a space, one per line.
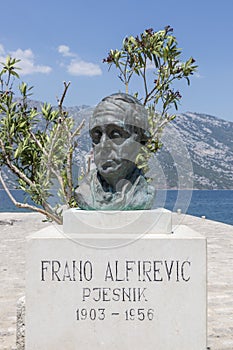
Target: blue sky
66 41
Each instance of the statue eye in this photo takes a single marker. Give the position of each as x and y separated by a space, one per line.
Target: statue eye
115 134
96 135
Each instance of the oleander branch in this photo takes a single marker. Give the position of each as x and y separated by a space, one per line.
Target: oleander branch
48 214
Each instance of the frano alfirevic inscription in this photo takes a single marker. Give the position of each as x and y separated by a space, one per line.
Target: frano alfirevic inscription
135 275
118 128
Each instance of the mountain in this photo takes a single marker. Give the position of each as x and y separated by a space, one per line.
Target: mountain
197 151
209 144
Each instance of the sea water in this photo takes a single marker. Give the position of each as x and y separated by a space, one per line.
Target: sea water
213 204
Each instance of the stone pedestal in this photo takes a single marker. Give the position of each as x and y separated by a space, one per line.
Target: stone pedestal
121 288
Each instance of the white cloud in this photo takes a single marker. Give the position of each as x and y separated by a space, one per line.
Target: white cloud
27 61
65 51
2 50
77 66
89 69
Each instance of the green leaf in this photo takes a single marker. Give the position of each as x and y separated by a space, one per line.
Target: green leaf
15 74
12 129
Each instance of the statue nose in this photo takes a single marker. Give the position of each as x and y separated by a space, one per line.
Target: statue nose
105 147
105 141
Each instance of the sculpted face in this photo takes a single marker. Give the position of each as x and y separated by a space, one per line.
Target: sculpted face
119 128
115 148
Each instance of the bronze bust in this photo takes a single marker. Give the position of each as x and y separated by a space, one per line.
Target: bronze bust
118 128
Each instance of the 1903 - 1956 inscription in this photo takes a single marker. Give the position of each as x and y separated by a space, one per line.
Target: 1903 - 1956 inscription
130 275
131 314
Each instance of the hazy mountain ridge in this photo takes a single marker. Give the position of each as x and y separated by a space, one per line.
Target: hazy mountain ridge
209 141
202 144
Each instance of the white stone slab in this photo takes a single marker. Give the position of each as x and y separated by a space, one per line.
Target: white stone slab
136 222
116 292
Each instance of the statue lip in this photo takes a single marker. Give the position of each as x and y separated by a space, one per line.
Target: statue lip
110 163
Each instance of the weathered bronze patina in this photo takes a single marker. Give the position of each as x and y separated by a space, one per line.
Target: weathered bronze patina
118 128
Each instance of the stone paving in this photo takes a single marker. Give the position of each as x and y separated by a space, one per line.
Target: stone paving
14 227
220 279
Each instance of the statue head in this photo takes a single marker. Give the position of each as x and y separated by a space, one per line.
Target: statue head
118 128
